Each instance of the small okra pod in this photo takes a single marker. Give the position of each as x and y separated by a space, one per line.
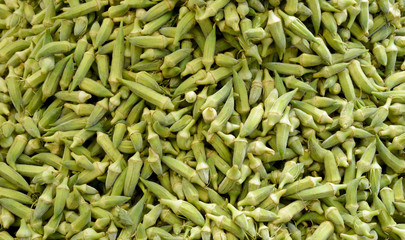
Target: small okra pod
24 232
256 88
346 115
397 109
227 224
387 197
123 110
74 96
212 208
212 9
80 222
245 172
62 193
13 177
100 109
80 49
282 132
44 202
12 48
82 161
113 172
103 63
87 176
329 71
242 102
209 49
67 74
217 75
199 153
353 12
319 115
14 90
181 123
156 24
220 121
175 58
364 15
395 79
152 216
158 41
184 25
319 46
293 83
381 114
261 215
250 49
324 231
253 183
183 139
392 52
182 169
239 151
154 141
80 109
55 48
219 146
332 214
364 164
329 22
117 60
287 68
296 26
397 143
307 60
162 131
340 157
398 190
290 173
244 72
272 200
232 176
256 165
148 94
380 54
276 29
256 197
286 213
154 162
385 219
231 17
105 142
239 218
184 208
389 158
321 191
16 149
331 169
253 120
360 78
83 68
193 67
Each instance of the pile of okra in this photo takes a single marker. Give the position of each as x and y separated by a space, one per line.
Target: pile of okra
202 119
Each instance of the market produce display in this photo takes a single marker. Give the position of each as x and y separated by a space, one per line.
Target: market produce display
202 119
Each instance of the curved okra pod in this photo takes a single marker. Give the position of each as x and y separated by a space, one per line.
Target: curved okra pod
397 164
360 78
287 68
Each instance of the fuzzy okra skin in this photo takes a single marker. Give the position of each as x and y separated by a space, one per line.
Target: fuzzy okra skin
192 119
